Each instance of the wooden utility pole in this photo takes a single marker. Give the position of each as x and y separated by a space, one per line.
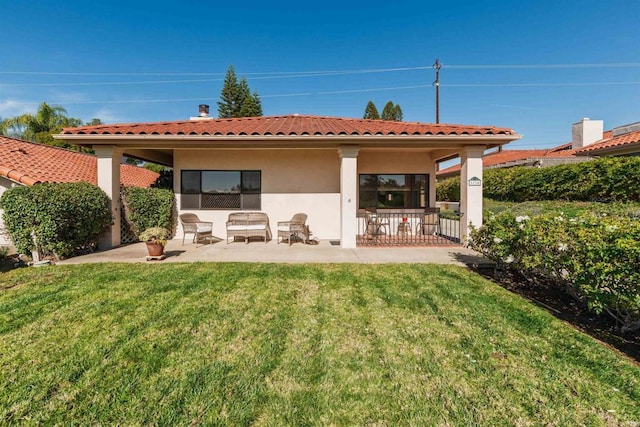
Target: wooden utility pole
437 66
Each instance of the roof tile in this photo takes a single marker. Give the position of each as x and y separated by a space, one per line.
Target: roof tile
29 163
609 141
291 125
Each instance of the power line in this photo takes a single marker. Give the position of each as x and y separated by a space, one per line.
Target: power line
539 66
373 70
333 92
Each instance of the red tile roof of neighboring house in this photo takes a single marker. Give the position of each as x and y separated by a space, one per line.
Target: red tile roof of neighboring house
292 125
499 157
29 163
609 141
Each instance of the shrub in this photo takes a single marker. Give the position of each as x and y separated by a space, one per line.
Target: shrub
448 190
148 207
595 257
605 179
157 235
61 217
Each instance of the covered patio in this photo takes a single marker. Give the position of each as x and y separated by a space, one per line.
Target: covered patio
332 169
325 252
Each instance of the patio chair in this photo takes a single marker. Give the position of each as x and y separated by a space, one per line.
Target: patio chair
430 223
376 225
295 227
191 224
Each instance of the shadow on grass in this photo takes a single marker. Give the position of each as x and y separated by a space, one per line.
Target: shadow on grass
560 304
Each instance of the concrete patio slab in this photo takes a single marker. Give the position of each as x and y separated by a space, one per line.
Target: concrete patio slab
255 251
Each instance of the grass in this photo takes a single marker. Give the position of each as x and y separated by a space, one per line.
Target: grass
256 344
569 209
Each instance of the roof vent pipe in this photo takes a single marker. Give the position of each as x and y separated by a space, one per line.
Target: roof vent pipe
203 110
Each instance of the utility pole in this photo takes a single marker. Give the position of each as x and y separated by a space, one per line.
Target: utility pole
437 66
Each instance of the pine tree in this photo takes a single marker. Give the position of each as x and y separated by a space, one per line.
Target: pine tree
236 99
387 111
251 107
371 112
229 95
243 95
397 113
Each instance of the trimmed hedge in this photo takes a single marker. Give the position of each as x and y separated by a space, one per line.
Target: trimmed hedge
448 190
148 207
63 217
594 257
605 179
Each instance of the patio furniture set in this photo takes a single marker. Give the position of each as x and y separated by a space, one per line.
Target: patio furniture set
244 225
379 223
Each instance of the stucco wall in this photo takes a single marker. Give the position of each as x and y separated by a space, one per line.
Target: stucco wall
296 181
292 181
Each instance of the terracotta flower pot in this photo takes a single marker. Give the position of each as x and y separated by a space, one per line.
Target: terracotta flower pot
155 249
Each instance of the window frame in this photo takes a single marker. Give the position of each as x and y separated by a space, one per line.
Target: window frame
413 193
242 191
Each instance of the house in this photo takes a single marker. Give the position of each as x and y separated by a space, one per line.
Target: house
589 140
327 167
28 163
620 141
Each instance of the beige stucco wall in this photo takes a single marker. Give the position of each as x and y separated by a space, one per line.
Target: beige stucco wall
292 181
296 180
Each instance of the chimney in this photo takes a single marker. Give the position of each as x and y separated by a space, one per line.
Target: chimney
203 113
586 132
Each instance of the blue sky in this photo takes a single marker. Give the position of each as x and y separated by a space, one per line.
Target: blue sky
140 61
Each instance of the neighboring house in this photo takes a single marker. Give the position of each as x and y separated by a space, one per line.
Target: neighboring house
584 133
28 163
589 140
330 168
620 141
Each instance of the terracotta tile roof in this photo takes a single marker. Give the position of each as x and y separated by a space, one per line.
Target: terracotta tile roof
507 156
29 163
609 141
286 126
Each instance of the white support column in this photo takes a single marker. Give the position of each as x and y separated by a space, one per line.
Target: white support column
348 195
109 182
470 190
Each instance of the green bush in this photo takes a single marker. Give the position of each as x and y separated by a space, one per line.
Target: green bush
605 179
62 217
448 190
148 207
594 257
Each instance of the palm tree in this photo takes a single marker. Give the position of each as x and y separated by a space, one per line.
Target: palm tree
38 127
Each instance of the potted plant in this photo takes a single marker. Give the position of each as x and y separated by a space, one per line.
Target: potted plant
156 239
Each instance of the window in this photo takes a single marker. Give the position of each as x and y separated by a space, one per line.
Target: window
398 191
220 189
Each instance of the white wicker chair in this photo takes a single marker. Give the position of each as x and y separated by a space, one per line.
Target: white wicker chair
191 224
295 227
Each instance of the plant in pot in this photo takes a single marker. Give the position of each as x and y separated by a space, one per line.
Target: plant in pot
156 239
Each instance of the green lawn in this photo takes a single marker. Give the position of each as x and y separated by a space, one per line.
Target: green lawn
569 209
256 344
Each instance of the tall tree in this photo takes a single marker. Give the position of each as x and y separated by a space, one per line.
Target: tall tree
235 95
387 111
228 95
371 112
251 107
39 127
396 113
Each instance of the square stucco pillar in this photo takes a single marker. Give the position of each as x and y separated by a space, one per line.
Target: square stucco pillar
348 196
470 190
109 182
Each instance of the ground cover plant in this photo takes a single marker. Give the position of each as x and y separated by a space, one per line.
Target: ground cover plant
260 344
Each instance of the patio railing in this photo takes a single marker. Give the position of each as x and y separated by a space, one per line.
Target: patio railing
407 227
